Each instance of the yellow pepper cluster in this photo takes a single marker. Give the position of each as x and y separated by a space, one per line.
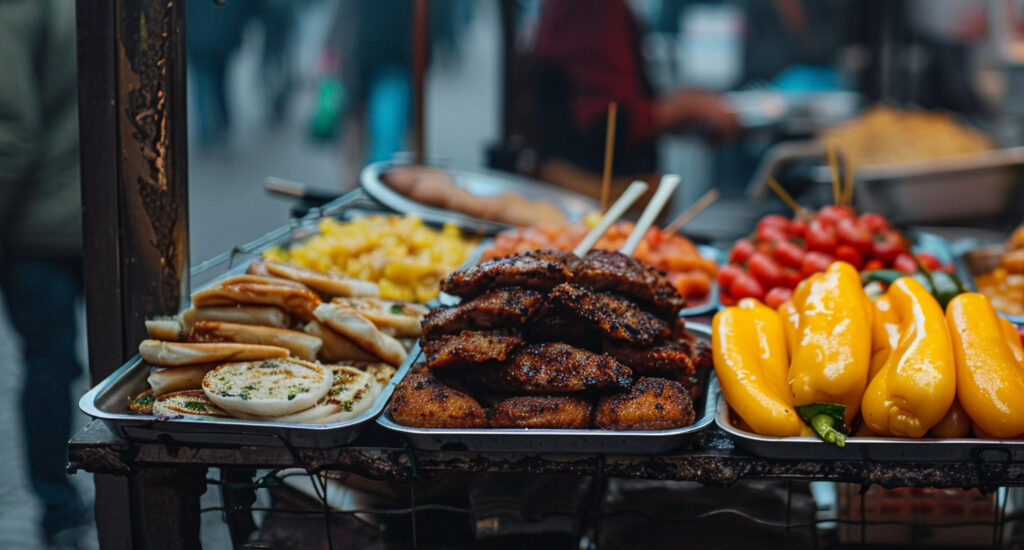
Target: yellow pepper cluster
905 366
405 257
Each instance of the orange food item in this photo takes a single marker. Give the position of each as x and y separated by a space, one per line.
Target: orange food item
673 254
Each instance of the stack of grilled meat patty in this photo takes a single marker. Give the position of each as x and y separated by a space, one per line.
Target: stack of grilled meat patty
548 340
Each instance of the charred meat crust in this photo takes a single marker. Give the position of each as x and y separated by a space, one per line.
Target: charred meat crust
553 368
613 316
652 404
611 271
541 412
496 308
539 269
423 401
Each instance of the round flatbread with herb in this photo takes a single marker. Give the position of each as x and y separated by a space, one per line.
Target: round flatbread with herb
186 404
267 389
353 392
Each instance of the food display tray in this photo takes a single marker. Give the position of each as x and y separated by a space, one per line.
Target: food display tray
563 441
890 449
979 261
108 402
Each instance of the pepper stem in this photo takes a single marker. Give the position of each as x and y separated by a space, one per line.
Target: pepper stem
823 426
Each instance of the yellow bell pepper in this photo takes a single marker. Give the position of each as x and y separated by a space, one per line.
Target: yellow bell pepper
885 334
989 365
790 324
831 358
916 383
749 349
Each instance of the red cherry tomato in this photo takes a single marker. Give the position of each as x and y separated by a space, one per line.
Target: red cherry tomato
855 235
765 270
832 213
793 277
741 251
770 234
929 262
873 265
774 220
873 222
821 237
745 286
815 262
727 274
849 255
905 263
777 296
886 246
798 227
788 254
1020 330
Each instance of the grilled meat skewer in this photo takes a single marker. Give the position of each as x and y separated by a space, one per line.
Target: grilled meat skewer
615 272
539 269
497 308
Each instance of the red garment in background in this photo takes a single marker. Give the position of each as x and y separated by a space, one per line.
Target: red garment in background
596 45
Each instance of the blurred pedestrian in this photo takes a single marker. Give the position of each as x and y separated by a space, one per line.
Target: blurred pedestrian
40 238
214 34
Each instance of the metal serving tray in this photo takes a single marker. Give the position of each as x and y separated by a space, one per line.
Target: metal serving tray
870 448
482 183
108 401
978 262
563 441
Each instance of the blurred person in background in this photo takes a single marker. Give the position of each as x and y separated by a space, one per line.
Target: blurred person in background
214 34
374 38
588 55
40 238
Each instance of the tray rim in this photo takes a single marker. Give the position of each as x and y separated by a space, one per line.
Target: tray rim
706 419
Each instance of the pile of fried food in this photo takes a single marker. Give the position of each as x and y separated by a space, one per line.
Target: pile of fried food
545 339
689 272
278 343
405 258
437 188
884 134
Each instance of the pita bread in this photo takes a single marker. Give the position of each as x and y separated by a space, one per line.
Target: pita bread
298 302
167 380
399 319
352 390
267 316
186 404
328 284
300 344
356 327
179 354
267 389
337 347
168 329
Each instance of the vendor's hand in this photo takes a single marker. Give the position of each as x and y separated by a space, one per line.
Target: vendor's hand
709 112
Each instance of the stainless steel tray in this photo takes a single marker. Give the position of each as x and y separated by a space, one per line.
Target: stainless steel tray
108 402
979 261
483 183
563 441
870 448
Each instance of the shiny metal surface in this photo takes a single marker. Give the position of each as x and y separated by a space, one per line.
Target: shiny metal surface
563 441
482 183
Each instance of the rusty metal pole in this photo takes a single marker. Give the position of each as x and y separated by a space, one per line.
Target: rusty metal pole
132 123
420 51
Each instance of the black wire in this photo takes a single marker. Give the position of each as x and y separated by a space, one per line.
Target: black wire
372 511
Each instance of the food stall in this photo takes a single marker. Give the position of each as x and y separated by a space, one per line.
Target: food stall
704 425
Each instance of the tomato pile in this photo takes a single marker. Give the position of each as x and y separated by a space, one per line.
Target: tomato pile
782 252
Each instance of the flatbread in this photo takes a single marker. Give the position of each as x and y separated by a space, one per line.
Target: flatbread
356 327
267 389
328 284
337 347
167 380
396 318
267 316
179 354
353 391
300 344
296 301
168 329
186 404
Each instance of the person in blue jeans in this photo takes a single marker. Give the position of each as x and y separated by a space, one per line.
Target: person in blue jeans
40 239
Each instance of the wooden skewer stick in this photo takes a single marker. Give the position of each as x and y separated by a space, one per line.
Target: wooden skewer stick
850 182
628 197
666 187
691 212
786 198
609 155
834 168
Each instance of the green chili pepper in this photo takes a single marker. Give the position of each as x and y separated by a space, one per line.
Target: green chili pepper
943 286
827 420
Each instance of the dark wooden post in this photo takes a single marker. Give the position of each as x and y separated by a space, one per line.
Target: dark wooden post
132 112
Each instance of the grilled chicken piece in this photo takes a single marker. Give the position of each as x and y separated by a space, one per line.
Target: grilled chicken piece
652 404
553 368
556 327
613 316
616 272
677 357
539 269
422 401
541 412
470 347
497 308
